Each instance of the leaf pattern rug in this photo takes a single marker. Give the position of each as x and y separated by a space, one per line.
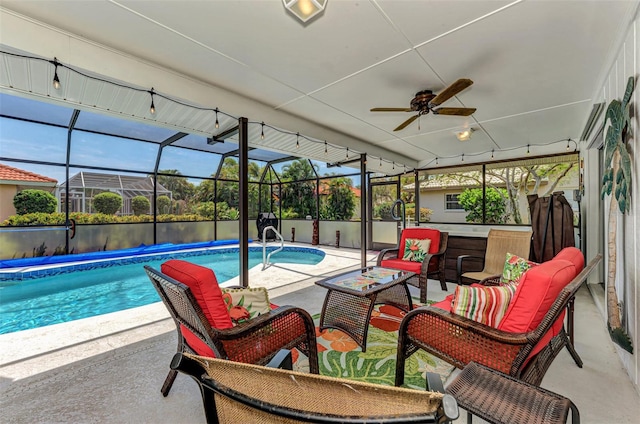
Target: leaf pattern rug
340 356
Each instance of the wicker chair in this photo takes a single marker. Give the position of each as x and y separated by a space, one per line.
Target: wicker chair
256 341
432 265
499 242
240 393
459 340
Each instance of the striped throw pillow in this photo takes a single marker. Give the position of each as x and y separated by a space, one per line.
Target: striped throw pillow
486 305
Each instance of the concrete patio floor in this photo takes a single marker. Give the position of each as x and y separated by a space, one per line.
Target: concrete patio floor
109 369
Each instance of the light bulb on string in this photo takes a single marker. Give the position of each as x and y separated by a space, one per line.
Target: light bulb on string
380 162
262 132
326 152
491 153
436 160
56 80
347 155
297 140
152 109
462 158
217 123
528 149
568 140
393 167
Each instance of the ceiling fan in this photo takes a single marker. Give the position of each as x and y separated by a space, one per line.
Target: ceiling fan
425 101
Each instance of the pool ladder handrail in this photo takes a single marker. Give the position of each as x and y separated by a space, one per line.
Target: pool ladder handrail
265 257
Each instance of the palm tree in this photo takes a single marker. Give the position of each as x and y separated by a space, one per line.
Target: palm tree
617 180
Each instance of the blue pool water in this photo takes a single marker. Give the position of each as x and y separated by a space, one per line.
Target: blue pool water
113 286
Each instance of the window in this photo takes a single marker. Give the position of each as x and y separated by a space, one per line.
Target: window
451 202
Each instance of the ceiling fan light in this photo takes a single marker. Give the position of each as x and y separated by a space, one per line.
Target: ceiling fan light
305 9
465 135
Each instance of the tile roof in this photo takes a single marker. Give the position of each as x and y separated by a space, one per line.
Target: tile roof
9 173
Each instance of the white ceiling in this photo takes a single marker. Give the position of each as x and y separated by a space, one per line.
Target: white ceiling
536 65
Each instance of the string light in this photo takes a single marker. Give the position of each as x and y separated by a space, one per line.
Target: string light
394 166
297 140
347 155
152 93
152 109
326 152
56 80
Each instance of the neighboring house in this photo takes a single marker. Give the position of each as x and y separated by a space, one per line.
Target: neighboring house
13 181
441 195
83 186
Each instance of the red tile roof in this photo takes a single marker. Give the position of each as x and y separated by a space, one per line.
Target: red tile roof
9 173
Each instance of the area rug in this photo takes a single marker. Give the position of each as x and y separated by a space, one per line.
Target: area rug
340 356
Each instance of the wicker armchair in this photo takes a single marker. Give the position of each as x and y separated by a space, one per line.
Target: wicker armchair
256 341
240 393
459 340
432 265
499 242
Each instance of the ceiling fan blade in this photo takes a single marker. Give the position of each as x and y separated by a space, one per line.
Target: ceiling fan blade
450 91
460 111
407 122
391 109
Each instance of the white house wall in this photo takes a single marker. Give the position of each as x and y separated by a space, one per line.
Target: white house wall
625 65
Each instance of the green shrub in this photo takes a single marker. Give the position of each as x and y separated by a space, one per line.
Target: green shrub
163 205
107 203
32 201
140 205
206 210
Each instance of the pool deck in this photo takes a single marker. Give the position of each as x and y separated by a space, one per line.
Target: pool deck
110 368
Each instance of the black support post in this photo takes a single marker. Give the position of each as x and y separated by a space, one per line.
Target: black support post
243 189
363 210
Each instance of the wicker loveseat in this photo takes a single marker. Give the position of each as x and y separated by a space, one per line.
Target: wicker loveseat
527 339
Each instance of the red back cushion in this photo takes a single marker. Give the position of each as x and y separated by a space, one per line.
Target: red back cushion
421 234
573 255
538 289
204 286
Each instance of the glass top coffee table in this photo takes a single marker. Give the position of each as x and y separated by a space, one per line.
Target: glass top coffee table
352 296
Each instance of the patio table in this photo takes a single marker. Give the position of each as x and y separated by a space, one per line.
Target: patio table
352 295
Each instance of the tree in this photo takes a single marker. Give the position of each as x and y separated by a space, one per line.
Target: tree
341 201
107 203
140 205
32 201
616 183
163 205
471 200
298 193
179 186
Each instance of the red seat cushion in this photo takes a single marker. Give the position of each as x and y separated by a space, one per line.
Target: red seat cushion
204 286
400 264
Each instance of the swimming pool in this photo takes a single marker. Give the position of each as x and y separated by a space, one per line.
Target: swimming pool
64 294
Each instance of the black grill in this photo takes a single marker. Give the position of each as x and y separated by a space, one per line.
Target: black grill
266 219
